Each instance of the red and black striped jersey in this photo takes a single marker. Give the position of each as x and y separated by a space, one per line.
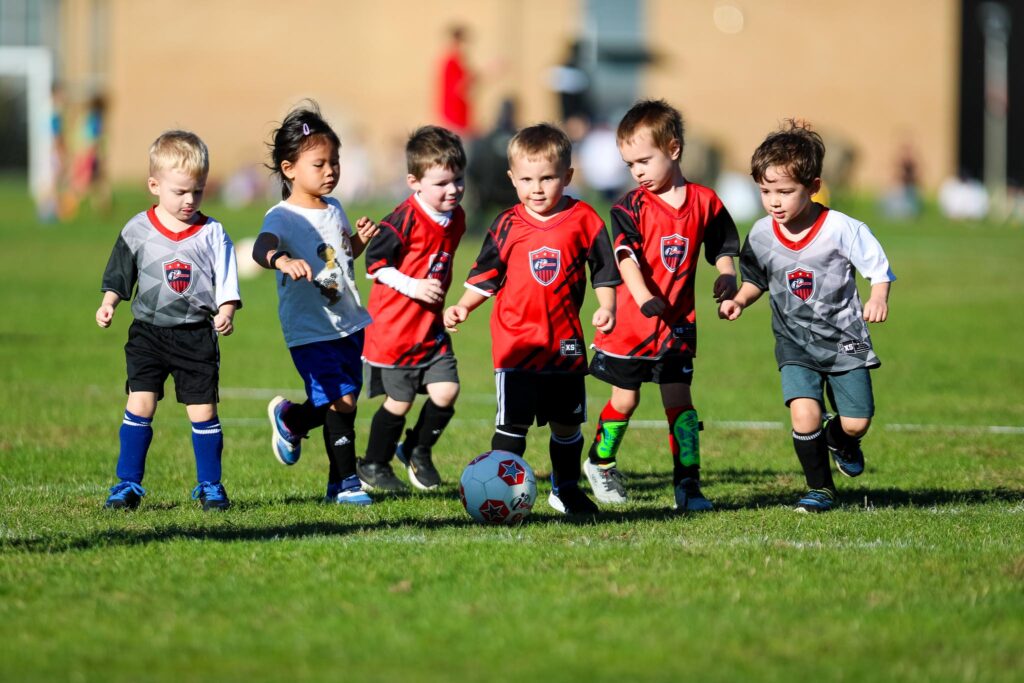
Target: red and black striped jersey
665 242
406 332
537 269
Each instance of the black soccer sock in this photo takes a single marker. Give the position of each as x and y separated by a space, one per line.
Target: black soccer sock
509 438
812 452
836 436
431 423
340 441
301 418
565 452
385 431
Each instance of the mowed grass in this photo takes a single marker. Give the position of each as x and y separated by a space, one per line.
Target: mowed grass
916 577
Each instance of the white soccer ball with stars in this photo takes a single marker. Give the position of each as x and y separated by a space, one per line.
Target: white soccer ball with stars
498 487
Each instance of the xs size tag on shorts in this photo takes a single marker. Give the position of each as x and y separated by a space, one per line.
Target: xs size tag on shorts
685 331
572 347
854 346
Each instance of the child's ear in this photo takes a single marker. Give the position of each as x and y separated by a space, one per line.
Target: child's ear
154 185
413 182
568 175
675 150
815 186
511 177
286 169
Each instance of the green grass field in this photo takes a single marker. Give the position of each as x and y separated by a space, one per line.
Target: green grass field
918 576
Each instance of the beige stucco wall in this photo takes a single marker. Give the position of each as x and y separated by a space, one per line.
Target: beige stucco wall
873 72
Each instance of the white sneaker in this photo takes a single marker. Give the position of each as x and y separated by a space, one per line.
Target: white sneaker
606 483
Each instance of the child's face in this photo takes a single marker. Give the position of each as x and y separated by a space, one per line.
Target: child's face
179 193
440 188
650 165
539 183
315 172
784 197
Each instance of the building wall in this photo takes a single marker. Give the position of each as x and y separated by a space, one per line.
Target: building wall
871 72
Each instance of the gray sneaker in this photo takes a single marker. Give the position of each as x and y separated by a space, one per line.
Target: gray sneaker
605 482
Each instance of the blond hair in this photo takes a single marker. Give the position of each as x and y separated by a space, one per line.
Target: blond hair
542 141
179 149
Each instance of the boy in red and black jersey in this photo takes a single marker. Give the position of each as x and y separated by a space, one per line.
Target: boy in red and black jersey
533 261
407 347
658 230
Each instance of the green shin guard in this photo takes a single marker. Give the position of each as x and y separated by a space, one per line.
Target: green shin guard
686 439
606 444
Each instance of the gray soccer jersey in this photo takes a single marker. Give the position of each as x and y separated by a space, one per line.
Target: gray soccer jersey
182 278
816 313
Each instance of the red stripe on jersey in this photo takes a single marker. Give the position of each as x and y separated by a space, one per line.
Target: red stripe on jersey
806 239
482 277
201 220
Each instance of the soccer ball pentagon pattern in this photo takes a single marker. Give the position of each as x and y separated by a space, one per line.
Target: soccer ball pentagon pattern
498 487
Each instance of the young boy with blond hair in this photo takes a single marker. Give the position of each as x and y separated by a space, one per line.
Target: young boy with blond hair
181 267
658 230
804 255
407 348
533 262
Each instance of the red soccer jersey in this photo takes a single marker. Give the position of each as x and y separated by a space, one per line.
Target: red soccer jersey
537 269
666 242
406 332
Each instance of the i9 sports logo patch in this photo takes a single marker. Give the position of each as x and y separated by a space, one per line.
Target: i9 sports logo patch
545 264
440 266
801 283
178 275
673 251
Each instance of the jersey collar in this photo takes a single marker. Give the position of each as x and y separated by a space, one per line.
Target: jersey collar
201 220
806 239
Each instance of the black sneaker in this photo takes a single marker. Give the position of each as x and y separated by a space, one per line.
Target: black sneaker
422 473
211 495
378 476
570 500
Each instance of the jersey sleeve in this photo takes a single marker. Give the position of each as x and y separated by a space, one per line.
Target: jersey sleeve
488 273
868 257
751 268
121 273
383 250
225 269
603 269
626 235
720 236
274 223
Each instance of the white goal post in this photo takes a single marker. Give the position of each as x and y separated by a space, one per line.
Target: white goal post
35 64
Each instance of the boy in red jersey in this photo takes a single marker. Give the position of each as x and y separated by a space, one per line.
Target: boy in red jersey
658 230
407 347
534 258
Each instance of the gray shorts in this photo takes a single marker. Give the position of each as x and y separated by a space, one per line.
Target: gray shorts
850 392
402 384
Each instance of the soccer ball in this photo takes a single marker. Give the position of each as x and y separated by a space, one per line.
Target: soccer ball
247 268
498 487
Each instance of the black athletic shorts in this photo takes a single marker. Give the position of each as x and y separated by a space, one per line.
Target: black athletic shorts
525 396
402 384
630 373
187 353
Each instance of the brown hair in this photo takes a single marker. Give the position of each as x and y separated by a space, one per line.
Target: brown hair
431 146
542 140
794 147
659 118
179 149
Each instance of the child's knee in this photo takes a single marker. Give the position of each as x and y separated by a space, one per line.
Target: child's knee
625 401
443 394
399 408
345 404
856 426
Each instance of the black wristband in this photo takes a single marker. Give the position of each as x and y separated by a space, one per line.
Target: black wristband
277 255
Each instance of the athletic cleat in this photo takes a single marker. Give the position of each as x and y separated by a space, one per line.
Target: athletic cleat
605 482
849 458
689 497
125 495
570 500
422 473
211 495
816 500
287 446
378 476
348 492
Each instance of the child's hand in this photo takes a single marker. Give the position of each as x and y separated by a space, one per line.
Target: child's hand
295 268
653 307
455 315
729 310
366 228
223 323
429 291
876 311
104 314
604 320
725 287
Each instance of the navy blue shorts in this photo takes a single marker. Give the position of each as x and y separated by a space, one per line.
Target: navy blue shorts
330 369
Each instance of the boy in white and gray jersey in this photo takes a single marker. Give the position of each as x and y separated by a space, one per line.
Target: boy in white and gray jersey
181 267
805 255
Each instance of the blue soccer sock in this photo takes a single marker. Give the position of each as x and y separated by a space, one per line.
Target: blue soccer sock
136 434
208 444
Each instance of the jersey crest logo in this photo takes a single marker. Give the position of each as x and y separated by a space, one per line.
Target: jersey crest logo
178 275
673 251
801 283
440 265
545 264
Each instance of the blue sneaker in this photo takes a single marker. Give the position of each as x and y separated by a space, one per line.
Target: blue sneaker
816 500
850 458
287 446
348 492
212 495
125 495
